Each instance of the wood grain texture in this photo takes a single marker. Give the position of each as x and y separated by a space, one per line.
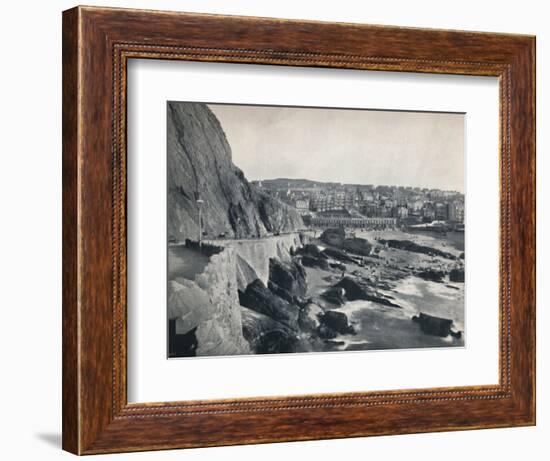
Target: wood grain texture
70 391
97 43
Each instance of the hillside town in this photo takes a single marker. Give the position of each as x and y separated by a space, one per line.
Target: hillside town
325 205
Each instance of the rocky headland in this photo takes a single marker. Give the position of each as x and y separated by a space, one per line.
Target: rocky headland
200 168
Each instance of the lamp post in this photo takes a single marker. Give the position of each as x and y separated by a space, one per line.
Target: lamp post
199 204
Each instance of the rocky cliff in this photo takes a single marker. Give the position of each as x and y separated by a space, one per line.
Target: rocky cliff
200 165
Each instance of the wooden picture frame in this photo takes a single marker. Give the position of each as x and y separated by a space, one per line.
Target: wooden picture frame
97 44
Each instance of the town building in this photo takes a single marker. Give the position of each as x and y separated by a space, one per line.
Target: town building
400 212
353 222
456 211
441 213
428 211
302 205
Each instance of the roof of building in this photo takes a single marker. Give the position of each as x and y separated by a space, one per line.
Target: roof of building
340 213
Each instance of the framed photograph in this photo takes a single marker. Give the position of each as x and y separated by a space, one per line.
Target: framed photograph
282 230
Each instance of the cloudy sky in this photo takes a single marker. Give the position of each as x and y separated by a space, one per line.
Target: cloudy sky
350 146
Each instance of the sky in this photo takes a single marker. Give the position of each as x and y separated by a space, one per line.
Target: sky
418 149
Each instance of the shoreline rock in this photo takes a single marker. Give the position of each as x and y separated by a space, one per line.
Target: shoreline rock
262 300
436 326
416 248
358 246
288 276
336 237
337 322
333 236
319 262
432 275
339 255
355 291
266 335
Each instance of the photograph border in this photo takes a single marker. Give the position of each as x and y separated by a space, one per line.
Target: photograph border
97 44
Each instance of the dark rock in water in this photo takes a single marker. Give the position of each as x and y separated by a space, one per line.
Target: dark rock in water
352 289
258 298
456 334
431 275
290 277
338 322
456 275
334 237
435 326
335 295
311 261
334 345
358 246
268 336
199 161
338 254
355 291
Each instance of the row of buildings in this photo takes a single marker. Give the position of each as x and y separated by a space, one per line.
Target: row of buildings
410 204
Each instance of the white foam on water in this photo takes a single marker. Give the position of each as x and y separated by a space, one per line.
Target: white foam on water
349 342
353 307
444 291
408 287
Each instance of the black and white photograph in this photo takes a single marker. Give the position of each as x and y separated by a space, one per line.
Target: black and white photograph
305 229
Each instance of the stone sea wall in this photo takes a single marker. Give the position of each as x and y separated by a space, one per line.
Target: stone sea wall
209 305
252 256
